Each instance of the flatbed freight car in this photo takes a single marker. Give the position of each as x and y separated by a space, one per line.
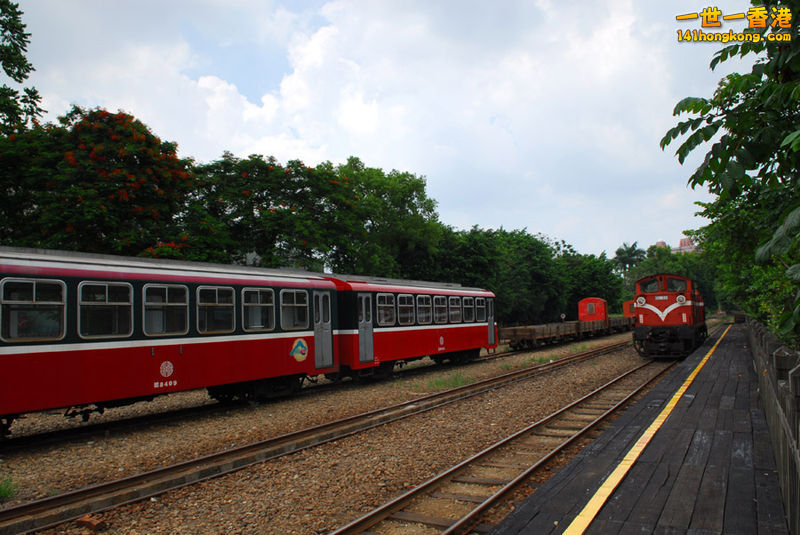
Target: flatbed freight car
594 320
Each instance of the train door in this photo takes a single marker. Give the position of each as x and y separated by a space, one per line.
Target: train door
365 347
323 333
490 319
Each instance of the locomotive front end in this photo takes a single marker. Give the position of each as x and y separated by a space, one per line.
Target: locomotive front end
669 316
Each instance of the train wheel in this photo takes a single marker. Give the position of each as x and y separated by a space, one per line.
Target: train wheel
5 425
222 394
384 370
639 346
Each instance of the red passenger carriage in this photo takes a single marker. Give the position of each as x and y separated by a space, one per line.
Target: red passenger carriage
88 331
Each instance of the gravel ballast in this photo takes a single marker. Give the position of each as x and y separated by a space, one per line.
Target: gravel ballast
315 490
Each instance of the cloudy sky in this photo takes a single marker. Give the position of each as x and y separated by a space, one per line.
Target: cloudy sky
533 114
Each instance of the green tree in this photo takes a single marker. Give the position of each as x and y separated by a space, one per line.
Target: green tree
589 276
628 256
752 164
392 227
97 182
17 109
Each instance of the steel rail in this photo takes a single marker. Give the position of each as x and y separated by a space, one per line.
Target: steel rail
11 444
55 510
392 507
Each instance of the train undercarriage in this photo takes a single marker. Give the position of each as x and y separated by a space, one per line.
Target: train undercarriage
668 341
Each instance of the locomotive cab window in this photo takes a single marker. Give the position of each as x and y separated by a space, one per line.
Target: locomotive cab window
405 309
649 286
215 310
386 314
105 309
258 309
440 309
469 309
455 309
676 285
166 309
424 309
480 309
294 310
32 309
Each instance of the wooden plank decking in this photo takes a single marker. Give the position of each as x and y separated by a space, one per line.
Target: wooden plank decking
709 469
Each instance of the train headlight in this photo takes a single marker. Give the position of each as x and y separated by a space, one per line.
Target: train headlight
681 299
640 301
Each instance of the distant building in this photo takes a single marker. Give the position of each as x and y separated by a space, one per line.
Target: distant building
686 246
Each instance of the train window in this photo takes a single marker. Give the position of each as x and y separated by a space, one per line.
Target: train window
364 310
32 309
440 309
405 309
386 314
424 310
469 309
166 309
215 309
294 310
480 309
105 309
455 309
676 285
649 286
590 308
258 309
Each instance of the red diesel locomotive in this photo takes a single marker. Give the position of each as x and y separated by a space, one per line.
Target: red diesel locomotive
670 318
86 332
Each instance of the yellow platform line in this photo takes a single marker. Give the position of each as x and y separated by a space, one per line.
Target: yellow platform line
585 517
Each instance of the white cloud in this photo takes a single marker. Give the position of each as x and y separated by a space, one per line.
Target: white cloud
540 115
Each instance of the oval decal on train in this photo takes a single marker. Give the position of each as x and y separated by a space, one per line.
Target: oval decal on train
299 350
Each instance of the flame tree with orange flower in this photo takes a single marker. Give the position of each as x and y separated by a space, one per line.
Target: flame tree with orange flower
97 182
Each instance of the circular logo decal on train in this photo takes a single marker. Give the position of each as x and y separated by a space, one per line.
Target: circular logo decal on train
299 350
441 340
167 368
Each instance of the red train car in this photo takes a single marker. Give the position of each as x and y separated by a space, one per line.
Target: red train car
629 309
670 317
593 309
384 321
88 332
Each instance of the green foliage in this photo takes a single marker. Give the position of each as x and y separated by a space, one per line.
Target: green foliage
98 182
752 166
7 488
17 109
588 276
102 182
628 256
452 381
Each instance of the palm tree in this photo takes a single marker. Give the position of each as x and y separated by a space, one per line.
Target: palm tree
628 256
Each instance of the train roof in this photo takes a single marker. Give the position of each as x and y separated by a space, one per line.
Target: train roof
83 261
664 275
360 282
73 260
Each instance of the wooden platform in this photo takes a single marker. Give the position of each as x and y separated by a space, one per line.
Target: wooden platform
708 469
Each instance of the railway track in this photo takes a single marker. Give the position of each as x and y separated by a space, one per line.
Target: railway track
474 486
55 510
